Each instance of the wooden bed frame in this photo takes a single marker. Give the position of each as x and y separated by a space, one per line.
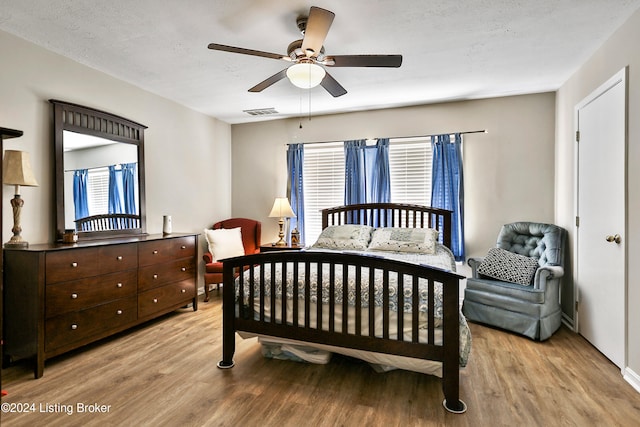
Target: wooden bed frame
239 316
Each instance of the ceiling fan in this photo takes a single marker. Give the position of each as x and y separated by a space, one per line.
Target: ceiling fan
308 57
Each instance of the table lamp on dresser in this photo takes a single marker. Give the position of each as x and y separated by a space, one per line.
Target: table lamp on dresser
16 170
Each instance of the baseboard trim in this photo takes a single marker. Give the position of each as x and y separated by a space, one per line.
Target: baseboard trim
632 378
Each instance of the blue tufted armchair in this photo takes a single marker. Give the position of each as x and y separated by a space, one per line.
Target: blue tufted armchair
528 308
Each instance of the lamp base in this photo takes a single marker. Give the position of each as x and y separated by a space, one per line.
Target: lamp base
16 243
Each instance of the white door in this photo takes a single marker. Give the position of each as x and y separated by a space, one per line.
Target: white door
600 281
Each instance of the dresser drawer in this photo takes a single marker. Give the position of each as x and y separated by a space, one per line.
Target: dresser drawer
159 299
77 295
77 326
71 264
117 258
153 276
159 251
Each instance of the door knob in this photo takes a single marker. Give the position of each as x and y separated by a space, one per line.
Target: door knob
615 238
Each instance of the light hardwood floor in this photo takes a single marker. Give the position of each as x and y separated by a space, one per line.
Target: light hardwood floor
164 374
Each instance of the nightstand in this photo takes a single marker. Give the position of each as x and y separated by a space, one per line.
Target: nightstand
272 247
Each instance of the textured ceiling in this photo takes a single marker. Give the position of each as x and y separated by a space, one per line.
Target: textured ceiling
452 50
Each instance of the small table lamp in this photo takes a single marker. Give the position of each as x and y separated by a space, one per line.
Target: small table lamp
16 170
281 209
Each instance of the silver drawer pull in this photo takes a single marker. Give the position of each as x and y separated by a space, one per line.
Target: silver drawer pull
74 296
119 285
119 312
183 247
183 269
74 327
74 264
155 252
119 257
155 276
184 291
155 300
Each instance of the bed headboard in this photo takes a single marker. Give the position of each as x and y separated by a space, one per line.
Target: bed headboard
391 215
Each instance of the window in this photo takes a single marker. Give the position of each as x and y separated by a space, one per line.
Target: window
323 173
410 169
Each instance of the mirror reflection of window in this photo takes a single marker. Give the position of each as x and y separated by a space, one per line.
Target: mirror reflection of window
98 191
96 155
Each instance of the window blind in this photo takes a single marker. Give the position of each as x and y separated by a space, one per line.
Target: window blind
410 169
98 191
323 173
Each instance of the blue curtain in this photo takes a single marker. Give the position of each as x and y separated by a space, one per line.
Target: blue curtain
129 175
447 189
295 162
367 176
80 199
380 174
355 190
115 190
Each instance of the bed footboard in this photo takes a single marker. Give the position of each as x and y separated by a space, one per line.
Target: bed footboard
386 306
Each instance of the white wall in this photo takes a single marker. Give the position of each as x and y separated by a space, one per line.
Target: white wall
618 52
187 154
508 172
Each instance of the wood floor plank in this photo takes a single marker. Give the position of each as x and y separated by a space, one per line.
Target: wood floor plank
164 374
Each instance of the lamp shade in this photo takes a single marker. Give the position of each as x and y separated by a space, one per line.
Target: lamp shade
305 75
16 169
281 208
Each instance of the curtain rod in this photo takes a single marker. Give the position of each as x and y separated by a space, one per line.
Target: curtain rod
397 137
97 167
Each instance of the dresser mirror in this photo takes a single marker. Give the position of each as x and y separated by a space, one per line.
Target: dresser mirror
99 168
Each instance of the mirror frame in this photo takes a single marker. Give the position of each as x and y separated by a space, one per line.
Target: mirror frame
89 121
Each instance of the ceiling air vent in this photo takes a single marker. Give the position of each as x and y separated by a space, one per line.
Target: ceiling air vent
261 111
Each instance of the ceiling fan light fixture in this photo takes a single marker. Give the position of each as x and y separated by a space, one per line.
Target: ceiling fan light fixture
305 75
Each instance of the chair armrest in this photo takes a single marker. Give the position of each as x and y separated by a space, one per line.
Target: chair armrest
207 257
545 274
474 263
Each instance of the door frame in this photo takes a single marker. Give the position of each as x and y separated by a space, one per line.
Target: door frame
619 77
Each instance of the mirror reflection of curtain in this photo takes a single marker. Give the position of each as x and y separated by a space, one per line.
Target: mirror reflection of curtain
80 200
129 180
447 188
115 190
122 188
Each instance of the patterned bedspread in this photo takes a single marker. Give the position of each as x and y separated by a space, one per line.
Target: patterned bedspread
442 259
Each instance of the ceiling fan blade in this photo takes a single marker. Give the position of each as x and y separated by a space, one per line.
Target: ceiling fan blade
332 86
232 49
318 25
268 82
364 61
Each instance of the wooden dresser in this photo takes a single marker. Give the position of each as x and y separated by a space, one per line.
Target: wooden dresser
61 297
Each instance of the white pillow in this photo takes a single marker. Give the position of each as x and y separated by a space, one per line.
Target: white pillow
342 237
224 243
417 240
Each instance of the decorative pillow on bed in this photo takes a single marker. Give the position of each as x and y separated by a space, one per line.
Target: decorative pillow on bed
417 240
348 236
509 267
224 242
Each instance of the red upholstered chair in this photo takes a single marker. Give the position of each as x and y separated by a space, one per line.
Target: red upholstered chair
250 230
